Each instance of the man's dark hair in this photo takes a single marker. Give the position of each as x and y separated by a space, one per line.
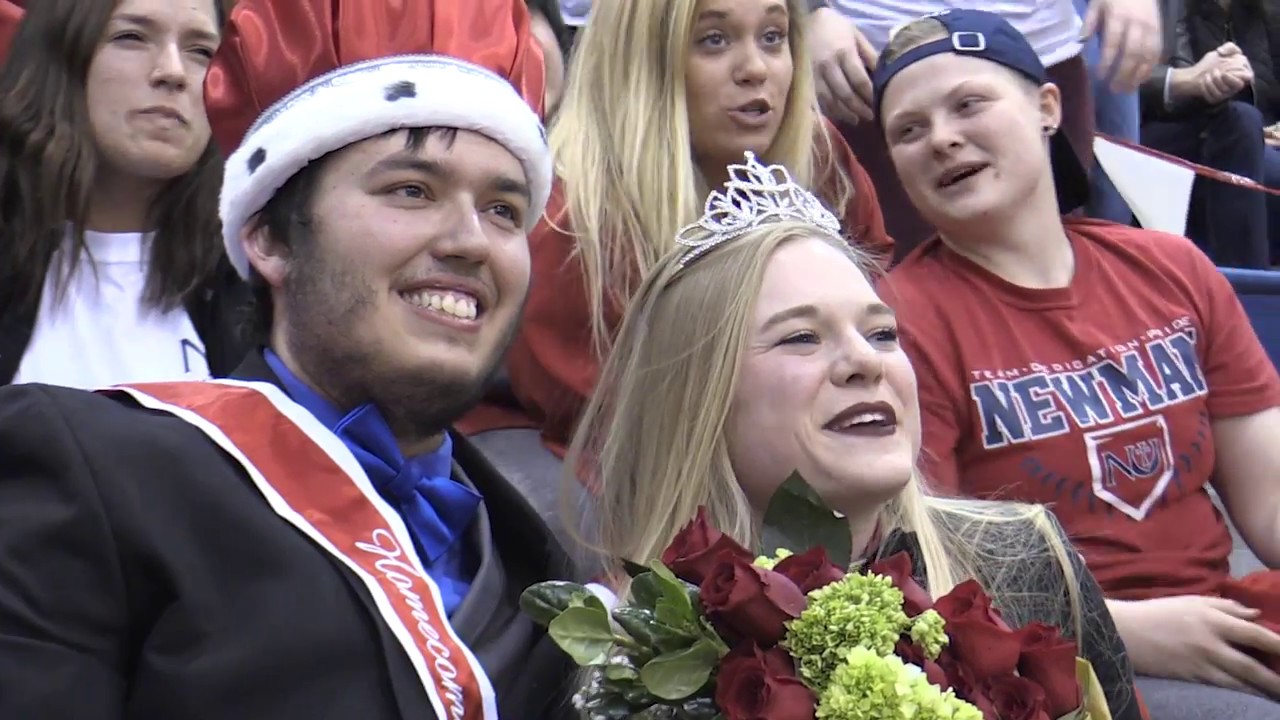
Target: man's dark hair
287 219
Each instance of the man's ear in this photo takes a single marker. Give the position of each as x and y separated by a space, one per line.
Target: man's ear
267 256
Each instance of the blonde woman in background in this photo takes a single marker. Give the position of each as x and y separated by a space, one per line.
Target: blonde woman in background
663 95
755 354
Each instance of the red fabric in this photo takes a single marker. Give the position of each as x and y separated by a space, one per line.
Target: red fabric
552 366
1260 591
10 17
271 47
299 469
1020 396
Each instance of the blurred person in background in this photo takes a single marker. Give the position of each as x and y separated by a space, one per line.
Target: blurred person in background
1199 105
556 40
1117 114
111 265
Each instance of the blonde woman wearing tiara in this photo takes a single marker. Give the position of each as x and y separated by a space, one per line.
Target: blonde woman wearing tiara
760 349
663 95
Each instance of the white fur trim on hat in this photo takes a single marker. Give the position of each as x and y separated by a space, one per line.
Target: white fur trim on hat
362 100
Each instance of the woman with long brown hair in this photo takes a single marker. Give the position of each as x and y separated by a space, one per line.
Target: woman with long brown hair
111 264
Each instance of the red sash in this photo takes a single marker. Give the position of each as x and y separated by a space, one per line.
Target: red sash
312 480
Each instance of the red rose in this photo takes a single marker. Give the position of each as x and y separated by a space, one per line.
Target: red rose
755 684
694 550
1017 698
749 601
911 653
809 570
960 680
1049 660
980 639
898 569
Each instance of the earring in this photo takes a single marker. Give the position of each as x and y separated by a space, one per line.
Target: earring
1049 129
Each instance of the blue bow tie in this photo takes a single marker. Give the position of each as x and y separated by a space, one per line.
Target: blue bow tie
436 509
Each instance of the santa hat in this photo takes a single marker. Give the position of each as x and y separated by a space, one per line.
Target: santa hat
296 79
10 18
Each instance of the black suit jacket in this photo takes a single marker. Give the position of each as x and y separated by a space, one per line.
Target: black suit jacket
142 575
1178 53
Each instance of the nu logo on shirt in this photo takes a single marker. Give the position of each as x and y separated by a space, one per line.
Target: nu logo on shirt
1118 383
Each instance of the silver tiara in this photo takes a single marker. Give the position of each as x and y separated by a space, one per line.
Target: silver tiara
755 195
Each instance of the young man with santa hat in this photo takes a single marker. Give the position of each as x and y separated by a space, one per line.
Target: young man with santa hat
308 539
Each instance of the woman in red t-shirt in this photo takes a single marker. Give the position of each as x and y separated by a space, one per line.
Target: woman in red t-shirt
662 97
1105 370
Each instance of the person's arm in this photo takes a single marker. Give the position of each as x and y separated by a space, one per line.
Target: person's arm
1247 477
62 593
1172 88
1244 407
1204 639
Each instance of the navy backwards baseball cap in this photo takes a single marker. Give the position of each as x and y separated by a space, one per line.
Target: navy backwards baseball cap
988 36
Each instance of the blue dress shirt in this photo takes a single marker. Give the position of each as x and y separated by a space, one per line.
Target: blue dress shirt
436 509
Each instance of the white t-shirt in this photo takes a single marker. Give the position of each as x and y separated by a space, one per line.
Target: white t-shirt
1051 26
100 333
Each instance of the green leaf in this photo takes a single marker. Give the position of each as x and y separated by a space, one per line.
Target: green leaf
676 606
643 626
587 599
546 600
646 589
677 675
639 697
584 633
797 520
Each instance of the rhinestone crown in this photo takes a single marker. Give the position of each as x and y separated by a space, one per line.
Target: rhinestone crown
755 195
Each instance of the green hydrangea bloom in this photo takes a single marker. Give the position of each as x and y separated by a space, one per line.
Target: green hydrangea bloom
929 631
768 562
867 686
857 611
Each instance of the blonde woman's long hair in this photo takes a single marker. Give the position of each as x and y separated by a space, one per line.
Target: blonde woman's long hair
653 436
623 146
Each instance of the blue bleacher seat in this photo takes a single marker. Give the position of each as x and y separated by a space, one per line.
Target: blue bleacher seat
1259 292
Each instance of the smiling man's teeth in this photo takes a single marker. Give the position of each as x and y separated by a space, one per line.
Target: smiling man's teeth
450 303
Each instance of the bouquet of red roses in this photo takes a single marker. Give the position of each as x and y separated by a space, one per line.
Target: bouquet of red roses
712 631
